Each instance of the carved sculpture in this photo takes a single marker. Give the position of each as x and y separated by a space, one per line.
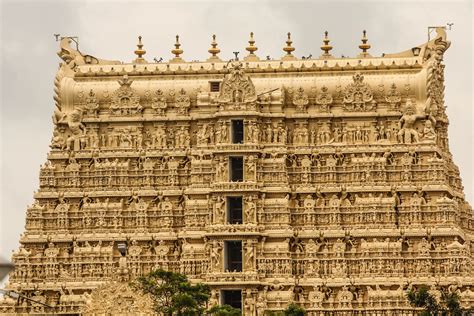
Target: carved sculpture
182 102
324 99
237 89
159 102
124 100
300 100
358 95
347 199
408 134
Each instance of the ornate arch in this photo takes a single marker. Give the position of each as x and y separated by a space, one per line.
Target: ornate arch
118 299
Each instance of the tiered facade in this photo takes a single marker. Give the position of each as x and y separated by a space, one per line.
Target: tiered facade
344 196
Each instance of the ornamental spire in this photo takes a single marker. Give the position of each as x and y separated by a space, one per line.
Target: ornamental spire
177 51
214 50
251 49
140 52
364 46
326 47
288 48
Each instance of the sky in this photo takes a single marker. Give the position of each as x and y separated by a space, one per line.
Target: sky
109 30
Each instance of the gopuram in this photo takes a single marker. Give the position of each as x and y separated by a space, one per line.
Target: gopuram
325 181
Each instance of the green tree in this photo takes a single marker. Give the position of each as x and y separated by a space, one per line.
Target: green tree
422 298
448 304
451 301
173 294
224 310
294 310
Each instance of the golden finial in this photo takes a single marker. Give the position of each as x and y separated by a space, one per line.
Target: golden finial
288 48
140 51
364 46
177 51
251 49
326 47
214 50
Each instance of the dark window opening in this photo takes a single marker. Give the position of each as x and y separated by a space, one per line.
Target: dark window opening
236 169
215 86
233 256
232 298
234 210
237 131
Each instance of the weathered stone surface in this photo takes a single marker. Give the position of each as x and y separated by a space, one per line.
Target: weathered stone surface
350 194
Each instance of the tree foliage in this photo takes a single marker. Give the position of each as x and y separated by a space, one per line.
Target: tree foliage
224 310
294 310
173 294
448 304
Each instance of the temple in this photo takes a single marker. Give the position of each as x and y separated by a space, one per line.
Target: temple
325 181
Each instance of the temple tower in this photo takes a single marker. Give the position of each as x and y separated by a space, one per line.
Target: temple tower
327 182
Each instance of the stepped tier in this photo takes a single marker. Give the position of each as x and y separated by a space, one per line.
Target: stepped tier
327 182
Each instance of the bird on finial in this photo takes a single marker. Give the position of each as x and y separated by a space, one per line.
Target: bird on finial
140 51
326 47
251 49
177 51
364 46
288 48
214 50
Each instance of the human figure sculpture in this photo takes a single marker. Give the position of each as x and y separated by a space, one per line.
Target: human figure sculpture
57 141
407 133
251 168
249 255
250 210
216 253
219 208
77 129
249 303
429 133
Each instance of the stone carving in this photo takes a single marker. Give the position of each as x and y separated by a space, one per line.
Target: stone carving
216 254
237 89
90 104
182 102
324 99
251 169
393 97
358 95
249 255
182 138
300 100
124 100
250 210
219 209
429 133
340 199
74 142
408 134
58 141
158 102
120 298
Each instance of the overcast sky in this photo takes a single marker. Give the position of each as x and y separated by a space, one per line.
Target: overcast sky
109 30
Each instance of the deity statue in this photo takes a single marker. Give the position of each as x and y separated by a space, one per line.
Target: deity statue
407 132
429 133
249 255
250 210
58 141
77 129
158 102
249 303
216 253
251 174
219 209
309 202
